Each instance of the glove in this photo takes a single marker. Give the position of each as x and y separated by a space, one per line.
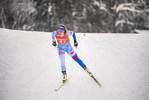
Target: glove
54 43
75 43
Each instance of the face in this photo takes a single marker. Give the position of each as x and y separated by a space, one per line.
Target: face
60 32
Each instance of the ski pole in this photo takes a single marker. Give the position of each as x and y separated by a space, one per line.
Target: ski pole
80 40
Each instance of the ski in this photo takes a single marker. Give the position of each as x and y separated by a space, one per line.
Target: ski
91 75
96 80
63 83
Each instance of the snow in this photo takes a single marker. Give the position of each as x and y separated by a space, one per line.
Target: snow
30 67
129 7
124 7
123 21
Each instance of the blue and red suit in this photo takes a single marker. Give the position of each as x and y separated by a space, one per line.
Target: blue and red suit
65 46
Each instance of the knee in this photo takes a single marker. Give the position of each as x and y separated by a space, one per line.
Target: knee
61 53
75 57
72 53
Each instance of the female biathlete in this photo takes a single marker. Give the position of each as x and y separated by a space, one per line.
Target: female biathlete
63 45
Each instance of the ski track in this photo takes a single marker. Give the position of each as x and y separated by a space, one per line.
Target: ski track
30 67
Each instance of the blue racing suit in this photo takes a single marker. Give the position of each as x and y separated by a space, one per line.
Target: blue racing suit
65 46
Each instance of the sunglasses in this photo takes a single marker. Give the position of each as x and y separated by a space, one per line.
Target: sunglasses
60 31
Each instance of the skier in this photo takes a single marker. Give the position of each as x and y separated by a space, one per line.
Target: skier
63 45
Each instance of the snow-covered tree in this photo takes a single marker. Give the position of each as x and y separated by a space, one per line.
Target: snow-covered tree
126 15
78 15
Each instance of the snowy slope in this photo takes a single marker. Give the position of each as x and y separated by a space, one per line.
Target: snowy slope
30 67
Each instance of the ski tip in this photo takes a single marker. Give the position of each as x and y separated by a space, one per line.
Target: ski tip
55 89
99 84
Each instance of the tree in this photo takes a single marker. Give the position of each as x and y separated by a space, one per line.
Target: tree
126 13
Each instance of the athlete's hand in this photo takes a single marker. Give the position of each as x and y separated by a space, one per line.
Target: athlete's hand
75 44
54 43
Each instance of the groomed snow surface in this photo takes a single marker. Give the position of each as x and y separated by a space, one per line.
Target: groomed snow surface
30 67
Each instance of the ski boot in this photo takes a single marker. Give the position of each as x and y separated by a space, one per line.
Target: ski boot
64 76
87 70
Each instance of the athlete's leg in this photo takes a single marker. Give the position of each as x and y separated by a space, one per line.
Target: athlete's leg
61 53
74 55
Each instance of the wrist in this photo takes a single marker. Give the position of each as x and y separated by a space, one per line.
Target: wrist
75 41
